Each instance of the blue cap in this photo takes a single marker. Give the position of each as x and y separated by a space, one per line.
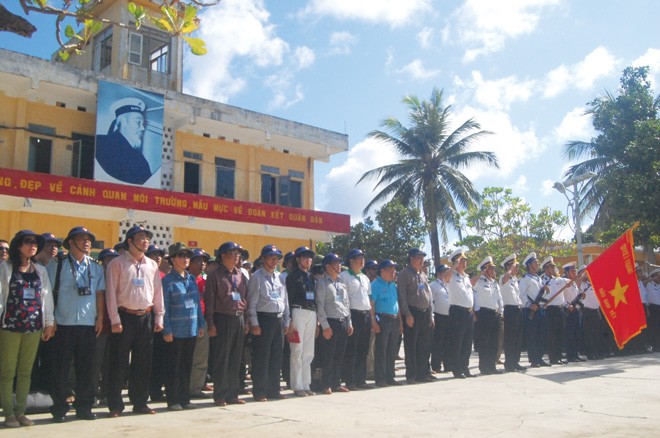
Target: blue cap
18 238
118 246
371 264
303 251
414 252
50 237
331 258
288 256
387 263
229 246
441 268
154 248
198 252
354 253
138 229
74 232
107 252
270 250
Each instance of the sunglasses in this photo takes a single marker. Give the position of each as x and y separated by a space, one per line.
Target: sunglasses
4 248
30 242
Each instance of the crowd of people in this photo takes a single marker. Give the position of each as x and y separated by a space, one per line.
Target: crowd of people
146 318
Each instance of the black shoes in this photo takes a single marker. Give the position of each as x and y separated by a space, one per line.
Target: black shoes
89 415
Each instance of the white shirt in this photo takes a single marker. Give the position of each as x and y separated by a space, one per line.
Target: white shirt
440 297
487 294
529 285
555 286
358 288
460 290
642 292
570 293
590 299
653 293
510 292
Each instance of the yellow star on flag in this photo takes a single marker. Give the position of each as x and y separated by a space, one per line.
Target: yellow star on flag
619 293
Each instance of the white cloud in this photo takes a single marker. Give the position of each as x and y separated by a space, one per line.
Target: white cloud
339 188
391 12
416 70
285 94
484 26
512 146
651 58
546 187
305 56
597 64
500 93
341 43
576 125
520 185
236 29
424 37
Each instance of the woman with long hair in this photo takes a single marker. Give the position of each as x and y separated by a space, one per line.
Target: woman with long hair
26 316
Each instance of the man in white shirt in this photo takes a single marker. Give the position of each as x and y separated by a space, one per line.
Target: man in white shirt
555 311
461 316
573 309
653 297
488 307
532 289
440 339
513 315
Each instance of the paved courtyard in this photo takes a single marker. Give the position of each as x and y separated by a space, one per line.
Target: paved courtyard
618 397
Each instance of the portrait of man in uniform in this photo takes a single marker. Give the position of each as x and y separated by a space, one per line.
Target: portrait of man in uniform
130 149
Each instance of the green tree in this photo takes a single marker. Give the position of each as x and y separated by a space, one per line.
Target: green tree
76 22
399 229
625 156
504 224
429 173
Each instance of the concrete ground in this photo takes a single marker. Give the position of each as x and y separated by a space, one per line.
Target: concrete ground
616 397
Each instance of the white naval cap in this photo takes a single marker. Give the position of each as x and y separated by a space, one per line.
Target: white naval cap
127 105
548 261
530 258
485 263
460 252
569 265
512 258
582 268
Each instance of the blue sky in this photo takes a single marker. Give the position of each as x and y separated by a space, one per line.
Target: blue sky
524 69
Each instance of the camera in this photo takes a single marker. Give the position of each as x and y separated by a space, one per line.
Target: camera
84 290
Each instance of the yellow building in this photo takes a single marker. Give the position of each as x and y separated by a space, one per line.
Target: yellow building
217 172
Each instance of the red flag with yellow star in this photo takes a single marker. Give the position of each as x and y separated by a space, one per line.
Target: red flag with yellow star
614 280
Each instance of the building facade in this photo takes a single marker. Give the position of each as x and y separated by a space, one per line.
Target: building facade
215 172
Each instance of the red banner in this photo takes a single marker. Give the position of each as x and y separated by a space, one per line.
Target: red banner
614 280
83 191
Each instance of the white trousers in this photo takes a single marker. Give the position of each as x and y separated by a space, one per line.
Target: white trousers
304 321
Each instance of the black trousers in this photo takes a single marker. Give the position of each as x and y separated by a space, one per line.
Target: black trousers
488 333
573 333
159 368
332 353
513 336
354 371
416 344
77 344
386 348
178 367
556 330
135 341
536 333
228 349
591 332
440 342
461 332
654 326
267 351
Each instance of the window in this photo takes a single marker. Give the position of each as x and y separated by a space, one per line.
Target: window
224 177
40 155
295 194
159 59
190 177
135 48
103 49
82 162
268 189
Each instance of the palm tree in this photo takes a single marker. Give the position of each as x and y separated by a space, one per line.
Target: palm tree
429 172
